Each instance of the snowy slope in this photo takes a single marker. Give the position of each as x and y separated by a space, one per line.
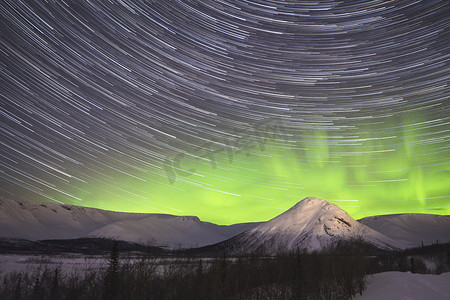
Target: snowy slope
405 285
411 229
53 221
312 224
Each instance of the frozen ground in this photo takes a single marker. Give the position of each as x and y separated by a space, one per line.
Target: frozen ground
67 264
78 263
405 285
386 286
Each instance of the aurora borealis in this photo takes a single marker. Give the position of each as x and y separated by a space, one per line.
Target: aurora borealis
232 111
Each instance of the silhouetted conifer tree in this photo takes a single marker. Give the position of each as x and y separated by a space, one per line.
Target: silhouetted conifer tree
111 280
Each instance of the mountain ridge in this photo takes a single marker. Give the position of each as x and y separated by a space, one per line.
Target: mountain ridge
412 229
312 224
36 221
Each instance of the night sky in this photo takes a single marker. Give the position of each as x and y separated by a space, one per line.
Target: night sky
229 110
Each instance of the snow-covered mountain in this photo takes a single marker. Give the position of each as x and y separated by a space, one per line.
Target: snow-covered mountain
312 224
31 221
410 230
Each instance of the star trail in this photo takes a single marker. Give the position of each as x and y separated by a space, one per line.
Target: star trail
229 110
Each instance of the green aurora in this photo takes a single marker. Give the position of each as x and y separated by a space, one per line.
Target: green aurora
382 166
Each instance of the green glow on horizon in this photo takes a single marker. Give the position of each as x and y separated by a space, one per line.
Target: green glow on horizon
374 172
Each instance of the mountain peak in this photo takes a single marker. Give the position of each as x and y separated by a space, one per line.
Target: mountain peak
311 224
307 213
311 201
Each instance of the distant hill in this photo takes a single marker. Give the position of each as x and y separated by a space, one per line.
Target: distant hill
32 221
410 230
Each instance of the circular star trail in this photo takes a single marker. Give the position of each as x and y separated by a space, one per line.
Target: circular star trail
229 110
